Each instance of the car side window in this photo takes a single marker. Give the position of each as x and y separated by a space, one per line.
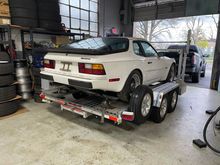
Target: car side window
137 49
148 50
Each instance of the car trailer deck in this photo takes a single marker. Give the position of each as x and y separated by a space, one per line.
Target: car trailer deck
113 110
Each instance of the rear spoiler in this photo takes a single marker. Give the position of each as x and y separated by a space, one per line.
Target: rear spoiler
73 51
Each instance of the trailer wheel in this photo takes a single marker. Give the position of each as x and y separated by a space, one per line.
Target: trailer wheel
159 114
141 102
173 101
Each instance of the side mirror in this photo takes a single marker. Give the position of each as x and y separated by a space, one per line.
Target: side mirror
160 54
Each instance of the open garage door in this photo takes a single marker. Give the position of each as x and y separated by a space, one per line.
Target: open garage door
164 9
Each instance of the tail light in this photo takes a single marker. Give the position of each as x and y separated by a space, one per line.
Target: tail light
193 59
49 64
128 116
95 69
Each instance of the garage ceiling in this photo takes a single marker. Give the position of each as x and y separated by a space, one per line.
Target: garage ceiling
163 9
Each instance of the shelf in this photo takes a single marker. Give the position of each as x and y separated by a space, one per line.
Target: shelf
40 31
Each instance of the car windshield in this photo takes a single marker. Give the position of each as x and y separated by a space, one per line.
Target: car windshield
100 45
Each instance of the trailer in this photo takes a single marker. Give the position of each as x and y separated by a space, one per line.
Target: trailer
164 99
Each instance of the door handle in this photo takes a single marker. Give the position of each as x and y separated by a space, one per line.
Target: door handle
149 62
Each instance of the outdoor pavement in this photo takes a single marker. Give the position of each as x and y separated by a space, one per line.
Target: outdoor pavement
204 81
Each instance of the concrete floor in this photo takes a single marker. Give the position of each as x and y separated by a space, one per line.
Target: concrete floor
44 135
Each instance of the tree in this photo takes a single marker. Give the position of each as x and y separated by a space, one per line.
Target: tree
195 24
154 30
203 44
213 29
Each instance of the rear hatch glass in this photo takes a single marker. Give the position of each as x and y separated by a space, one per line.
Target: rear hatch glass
95 46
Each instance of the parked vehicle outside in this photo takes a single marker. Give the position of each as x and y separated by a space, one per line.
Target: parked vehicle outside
195 63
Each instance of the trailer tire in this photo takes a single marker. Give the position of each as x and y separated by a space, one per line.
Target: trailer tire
141 102
172 101
159 114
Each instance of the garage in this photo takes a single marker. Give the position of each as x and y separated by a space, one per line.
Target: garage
109 82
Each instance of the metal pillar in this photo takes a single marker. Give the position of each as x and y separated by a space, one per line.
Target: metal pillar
216 62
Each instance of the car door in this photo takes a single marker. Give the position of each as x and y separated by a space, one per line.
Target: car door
141 62
153 64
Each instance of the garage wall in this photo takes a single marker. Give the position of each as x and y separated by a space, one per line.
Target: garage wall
109 16
110 13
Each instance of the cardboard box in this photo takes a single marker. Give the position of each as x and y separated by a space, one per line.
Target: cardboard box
60 40
5 21
4 8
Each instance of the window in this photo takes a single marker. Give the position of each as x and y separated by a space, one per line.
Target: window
101 45
80 16
137 48
148 50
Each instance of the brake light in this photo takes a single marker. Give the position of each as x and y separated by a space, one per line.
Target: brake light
49 64
96 69
193 59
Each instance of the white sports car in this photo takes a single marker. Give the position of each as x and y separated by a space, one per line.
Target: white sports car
116 65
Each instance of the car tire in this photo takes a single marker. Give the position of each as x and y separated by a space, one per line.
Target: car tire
29 4
171 74
8 108
24 13
6 80
26 22
195 77
173 98
128 88
6 68
141 103
7 93
203 73
159 114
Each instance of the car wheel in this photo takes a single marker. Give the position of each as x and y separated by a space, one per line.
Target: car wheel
159 114
172 101
195 77
141 102
203 73
133 81
171 74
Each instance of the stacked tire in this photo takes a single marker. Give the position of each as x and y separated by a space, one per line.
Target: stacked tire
8 102
24 79
24 13
49 14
